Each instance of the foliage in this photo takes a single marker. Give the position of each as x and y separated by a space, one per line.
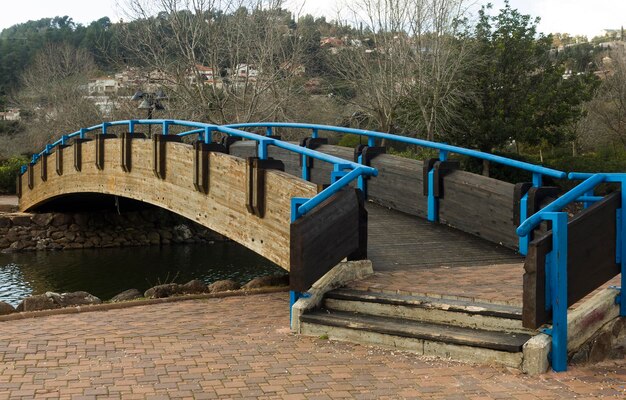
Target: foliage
53 89
10 128
519 94
20 43
608 109
9 169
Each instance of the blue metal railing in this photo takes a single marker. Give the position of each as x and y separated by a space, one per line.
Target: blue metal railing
537 171
556 260
347 171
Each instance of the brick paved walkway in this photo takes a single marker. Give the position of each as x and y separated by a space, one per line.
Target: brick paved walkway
240 347
500 283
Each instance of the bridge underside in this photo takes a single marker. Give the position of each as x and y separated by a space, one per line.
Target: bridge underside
90 202
73 174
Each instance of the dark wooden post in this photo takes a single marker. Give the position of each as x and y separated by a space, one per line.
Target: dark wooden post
201 163
159 152
255 183
59 158
126 151
78 152
100 138
44 167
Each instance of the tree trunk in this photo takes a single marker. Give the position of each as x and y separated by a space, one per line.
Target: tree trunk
540 156
574 150
486 168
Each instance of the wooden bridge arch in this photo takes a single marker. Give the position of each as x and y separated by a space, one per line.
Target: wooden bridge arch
160 171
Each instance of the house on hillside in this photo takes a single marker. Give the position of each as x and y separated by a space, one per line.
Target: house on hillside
204 75
11 114
246 73
104 86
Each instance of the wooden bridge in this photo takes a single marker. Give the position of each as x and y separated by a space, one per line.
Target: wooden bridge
303 207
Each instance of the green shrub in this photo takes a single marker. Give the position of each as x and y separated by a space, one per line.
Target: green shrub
350 140
8 173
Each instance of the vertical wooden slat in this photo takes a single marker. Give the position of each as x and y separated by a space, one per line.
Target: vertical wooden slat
255 183
159 152
201 163
78 152
31 176
44 167
59 150
126 150
100 138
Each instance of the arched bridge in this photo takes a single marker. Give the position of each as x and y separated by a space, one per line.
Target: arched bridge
252 201
302 205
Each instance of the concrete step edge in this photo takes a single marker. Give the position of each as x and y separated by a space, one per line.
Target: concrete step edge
418 346
449 305
429 315
500 341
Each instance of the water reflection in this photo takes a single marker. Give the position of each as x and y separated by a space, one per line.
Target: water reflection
106 272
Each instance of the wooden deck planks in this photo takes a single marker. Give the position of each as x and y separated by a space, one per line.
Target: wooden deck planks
401 240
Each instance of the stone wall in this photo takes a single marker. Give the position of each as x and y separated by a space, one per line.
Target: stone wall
59 231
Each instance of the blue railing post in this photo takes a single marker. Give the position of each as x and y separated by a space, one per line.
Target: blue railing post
295 295
587 204
433 202
131 126
371 142
268 131
208 135
306 172
361 179
262 149
556 289
82 133
166 127
523 213
105 125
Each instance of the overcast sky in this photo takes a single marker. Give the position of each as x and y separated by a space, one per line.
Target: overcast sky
587 17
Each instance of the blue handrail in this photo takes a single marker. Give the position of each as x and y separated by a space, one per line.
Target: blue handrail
557 262
204 131
537 169
557 205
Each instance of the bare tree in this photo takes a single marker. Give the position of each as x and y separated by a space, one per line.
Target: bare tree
221 61
608 108
407 59
53 94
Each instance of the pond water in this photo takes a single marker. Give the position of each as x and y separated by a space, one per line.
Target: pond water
107 272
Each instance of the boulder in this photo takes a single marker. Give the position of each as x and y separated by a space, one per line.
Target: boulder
6 308
183 232
74 299
130 294
223 286
38 302
61 219
269 280
20 220
81 220
19 245
42 219
194 287
154 238
160 291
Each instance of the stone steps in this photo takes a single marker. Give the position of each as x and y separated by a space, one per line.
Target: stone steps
478 315
475 332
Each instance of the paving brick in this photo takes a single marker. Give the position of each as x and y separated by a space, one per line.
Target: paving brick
240 347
